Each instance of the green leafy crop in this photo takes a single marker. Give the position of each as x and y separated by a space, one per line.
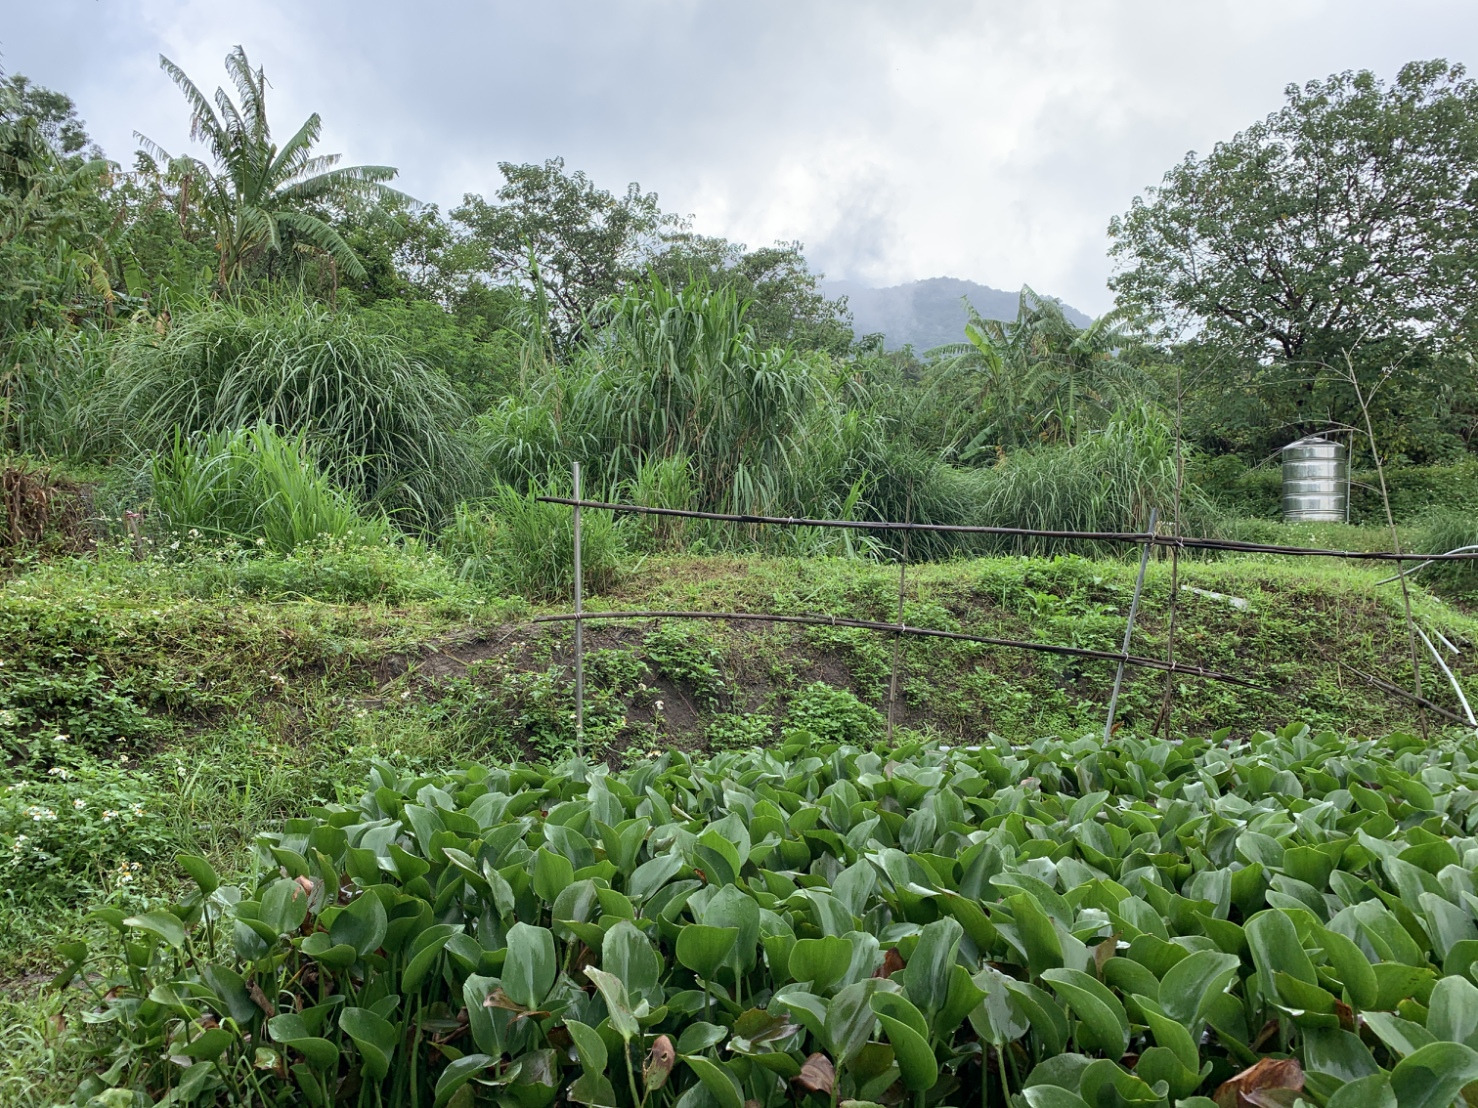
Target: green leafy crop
1060 924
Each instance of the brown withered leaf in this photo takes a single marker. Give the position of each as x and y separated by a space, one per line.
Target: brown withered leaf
892 963
259 998
660 1061
1104 951
499 999
818 1075
1256 1086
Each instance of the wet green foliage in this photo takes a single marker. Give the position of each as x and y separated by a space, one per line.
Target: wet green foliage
1058 924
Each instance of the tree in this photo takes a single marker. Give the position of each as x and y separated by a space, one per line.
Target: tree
1346 221
259 195
785 306
585 243
54 114
1037 378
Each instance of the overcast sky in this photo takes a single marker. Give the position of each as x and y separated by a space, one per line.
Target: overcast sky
898 140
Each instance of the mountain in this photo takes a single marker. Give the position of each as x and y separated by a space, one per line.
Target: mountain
925 314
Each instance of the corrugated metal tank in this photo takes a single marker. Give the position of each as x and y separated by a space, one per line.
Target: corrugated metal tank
1316 482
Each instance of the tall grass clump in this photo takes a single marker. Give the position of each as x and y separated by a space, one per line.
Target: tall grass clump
387 426
526 546
46 378
677 399
1108 481
256 486
1443 530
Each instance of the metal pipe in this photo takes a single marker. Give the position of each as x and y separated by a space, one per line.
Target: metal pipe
1405 572
1135 537
958 636
579 627
1144 561
1461 699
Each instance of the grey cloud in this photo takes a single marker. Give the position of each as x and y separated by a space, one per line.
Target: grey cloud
983 139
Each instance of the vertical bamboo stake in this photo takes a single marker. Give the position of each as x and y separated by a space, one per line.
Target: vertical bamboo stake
1144 561
898 635
579 628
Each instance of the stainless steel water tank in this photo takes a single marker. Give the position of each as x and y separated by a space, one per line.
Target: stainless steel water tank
1316 481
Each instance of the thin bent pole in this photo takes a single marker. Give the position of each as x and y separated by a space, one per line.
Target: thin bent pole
1133 537
579 628
1144 561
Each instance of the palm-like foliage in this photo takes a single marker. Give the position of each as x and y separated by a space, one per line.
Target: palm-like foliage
1039 377
258 192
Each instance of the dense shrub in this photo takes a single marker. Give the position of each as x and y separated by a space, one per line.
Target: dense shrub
1414 490
386 425
527 547
1109 481
1450 529
254 486
1136 924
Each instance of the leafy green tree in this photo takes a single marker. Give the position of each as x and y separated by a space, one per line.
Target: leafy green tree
785 306
257 196
1346 223
1037 378
571 243
53 114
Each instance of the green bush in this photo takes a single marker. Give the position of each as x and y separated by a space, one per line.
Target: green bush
528 547
1444 530
384 424
1414 490
255 486
1131 924
832 715
1107 482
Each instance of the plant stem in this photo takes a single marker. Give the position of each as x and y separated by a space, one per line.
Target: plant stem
1380 472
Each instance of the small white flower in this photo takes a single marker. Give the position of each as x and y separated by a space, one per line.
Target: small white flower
79 804
59 771
194 534
261 542
109 815
405 695
175 545
136 809
657 705
62 736
179 769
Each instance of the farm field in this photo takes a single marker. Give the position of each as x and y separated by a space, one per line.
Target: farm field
515 646
198 706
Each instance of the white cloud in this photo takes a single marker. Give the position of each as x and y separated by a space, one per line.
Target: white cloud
991 140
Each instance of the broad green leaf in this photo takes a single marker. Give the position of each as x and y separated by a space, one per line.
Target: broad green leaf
1187 985
200 871
463 1070
1104 1025
161 923
912 1052
821 962
530 967
362 924
1433 1076
717 1080
849 1021
552 874
375 1037
617 1004
1453 1012
704 949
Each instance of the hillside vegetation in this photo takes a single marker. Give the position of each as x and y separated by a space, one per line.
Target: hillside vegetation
294 807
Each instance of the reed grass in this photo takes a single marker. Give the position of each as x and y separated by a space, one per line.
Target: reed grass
386 425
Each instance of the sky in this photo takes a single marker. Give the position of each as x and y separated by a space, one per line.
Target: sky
991 140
